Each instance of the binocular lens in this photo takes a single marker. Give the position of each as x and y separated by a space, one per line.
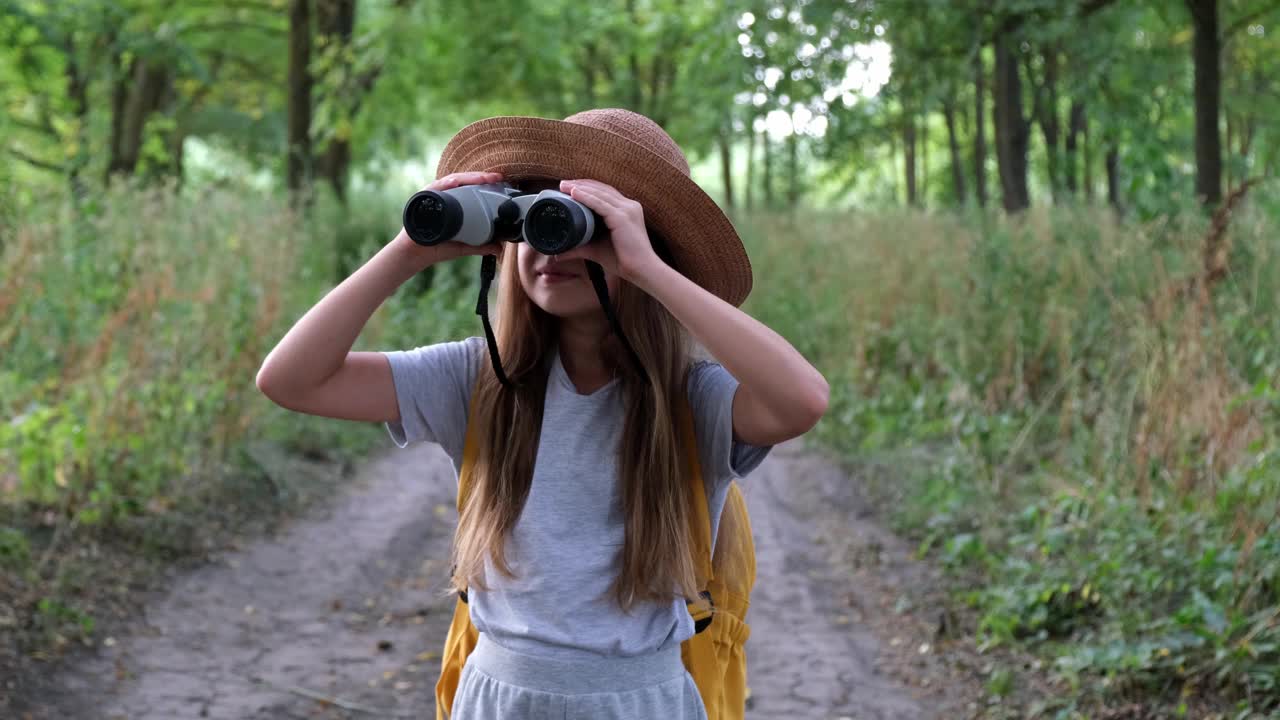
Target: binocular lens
431 217
553 226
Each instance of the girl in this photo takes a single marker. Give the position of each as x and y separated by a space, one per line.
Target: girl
573 544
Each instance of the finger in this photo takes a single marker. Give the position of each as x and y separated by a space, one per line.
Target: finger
477 176
606 192
593 199
444 183
465 178
602 187
612 194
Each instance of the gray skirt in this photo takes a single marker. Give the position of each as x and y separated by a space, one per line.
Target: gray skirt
499 683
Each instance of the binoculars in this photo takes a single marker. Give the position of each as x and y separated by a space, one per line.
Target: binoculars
550 221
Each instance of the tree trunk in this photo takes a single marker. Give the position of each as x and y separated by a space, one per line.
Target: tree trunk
893 153
78 93
1087 180
1075 127
922 143
298 162
1208 99
726 165
1011 128
177 145
979 130
1227 159
146 96
1247 135
1113 176
336 22
909 156
749 186
957 169
767 149
1046 110
119 103
793 170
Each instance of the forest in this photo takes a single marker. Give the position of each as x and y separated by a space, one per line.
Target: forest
1031 244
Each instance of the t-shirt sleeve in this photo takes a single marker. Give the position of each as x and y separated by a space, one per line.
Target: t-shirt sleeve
433 389
723 457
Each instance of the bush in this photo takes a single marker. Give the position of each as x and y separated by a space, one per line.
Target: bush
132 326
1103 435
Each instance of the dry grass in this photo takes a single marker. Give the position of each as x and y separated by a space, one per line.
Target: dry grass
144 315
1068 315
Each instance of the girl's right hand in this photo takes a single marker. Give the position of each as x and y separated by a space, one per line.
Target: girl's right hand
450 249
313 369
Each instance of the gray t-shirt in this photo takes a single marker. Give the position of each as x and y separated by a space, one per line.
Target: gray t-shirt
564 547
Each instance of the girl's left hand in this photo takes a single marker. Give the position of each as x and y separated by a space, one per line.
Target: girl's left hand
627 251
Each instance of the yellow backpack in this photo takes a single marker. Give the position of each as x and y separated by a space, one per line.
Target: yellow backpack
714 655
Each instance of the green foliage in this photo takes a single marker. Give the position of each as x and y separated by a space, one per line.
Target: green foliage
53 615
15 552
71 72
1093 454
1093 439
132 323
137 323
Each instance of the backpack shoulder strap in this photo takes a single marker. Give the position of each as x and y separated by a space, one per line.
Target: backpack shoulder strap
700 515
701 608
470 450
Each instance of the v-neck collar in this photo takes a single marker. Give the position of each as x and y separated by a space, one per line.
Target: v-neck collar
559 375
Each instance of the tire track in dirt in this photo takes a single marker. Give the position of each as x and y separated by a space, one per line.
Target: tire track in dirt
344 605
805 656
304 611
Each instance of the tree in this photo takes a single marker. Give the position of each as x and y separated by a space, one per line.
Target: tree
1011 127
979 128
335 26
96 88
1207 55
298 141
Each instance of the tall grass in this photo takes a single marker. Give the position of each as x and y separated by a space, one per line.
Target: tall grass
1101 402
1102 466
132 325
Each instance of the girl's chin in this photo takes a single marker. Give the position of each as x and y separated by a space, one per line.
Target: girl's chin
566 308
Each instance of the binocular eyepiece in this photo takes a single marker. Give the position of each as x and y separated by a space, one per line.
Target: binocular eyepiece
551 222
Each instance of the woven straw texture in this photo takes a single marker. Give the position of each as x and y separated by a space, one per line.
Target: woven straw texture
633 154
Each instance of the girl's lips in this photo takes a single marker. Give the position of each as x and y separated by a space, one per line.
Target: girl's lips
555 277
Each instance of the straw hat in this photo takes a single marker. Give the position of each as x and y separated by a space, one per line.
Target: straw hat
633 154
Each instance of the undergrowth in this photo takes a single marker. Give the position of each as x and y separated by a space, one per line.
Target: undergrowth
1100 401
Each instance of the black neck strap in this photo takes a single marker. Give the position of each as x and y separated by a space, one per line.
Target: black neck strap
488 268
596 273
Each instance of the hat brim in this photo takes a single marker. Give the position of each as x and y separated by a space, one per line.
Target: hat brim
703 242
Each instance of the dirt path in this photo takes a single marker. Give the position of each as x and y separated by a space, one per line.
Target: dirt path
346 604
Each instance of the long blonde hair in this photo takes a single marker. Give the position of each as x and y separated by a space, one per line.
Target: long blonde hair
656 561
